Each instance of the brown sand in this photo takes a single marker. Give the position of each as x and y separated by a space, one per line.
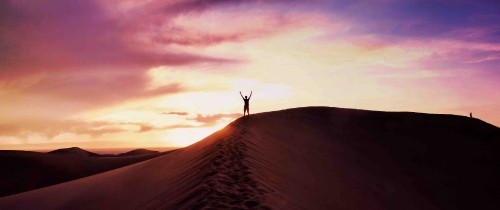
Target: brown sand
305 158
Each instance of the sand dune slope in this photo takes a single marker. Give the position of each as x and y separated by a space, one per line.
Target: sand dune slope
304 158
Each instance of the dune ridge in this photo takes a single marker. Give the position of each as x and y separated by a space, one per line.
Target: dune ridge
305 158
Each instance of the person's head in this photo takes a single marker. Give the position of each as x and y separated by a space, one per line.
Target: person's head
246 97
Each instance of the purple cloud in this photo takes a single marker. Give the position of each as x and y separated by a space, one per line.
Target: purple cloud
419 19
67 35
83 55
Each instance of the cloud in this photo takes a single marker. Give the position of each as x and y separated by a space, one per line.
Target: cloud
51 128
77 55
211 120
192 24
176 113
83 54
196 6
145 128
200 120
461 20
66 36
60 36
449 55
77 92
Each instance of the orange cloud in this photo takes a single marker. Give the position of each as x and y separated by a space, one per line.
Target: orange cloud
210 120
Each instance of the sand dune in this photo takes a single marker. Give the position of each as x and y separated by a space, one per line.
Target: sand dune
21 171
304 158
138 152
74 151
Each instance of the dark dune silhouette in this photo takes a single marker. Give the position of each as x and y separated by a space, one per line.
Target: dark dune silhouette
74 151
305 158
21 171
138 152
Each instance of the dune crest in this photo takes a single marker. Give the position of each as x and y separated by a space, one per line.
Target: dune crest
304 158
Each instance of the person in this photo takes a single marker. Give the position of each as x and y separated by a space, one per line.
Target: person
471 114
246 108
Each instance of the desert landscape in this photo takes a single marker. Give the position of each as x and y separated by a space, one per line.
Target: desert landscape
24 170
255 104
304 158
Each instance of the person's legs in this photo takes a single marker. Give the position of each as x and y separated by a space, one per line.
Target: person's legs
245 110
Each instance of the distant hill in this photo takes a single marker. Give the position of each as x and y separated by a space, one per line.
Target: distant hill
21 171
305 158
85 153
138 152
74 151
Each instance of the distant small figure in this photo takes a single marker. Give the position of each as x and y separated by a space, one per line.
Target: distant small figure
246 108
471 114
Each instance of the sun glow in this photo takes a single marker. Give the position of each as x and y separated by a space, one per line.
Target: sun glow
183 137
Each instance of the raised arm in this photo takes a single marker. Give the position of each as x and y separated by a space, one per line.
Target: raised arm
250 95
241 95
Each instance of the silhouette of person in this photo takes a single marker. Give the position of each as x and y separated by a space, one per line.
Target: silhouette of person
246 99
471 114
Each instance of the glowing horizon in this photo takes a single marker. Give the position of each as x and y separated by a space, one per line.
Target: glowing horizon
168 73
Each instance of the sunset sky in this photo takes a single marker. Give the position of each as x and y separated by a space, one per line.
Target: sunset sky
166 73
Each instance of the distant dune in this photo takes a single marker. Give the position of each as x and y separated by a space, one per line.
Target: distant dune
139 152
74 151
21 171
305 158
